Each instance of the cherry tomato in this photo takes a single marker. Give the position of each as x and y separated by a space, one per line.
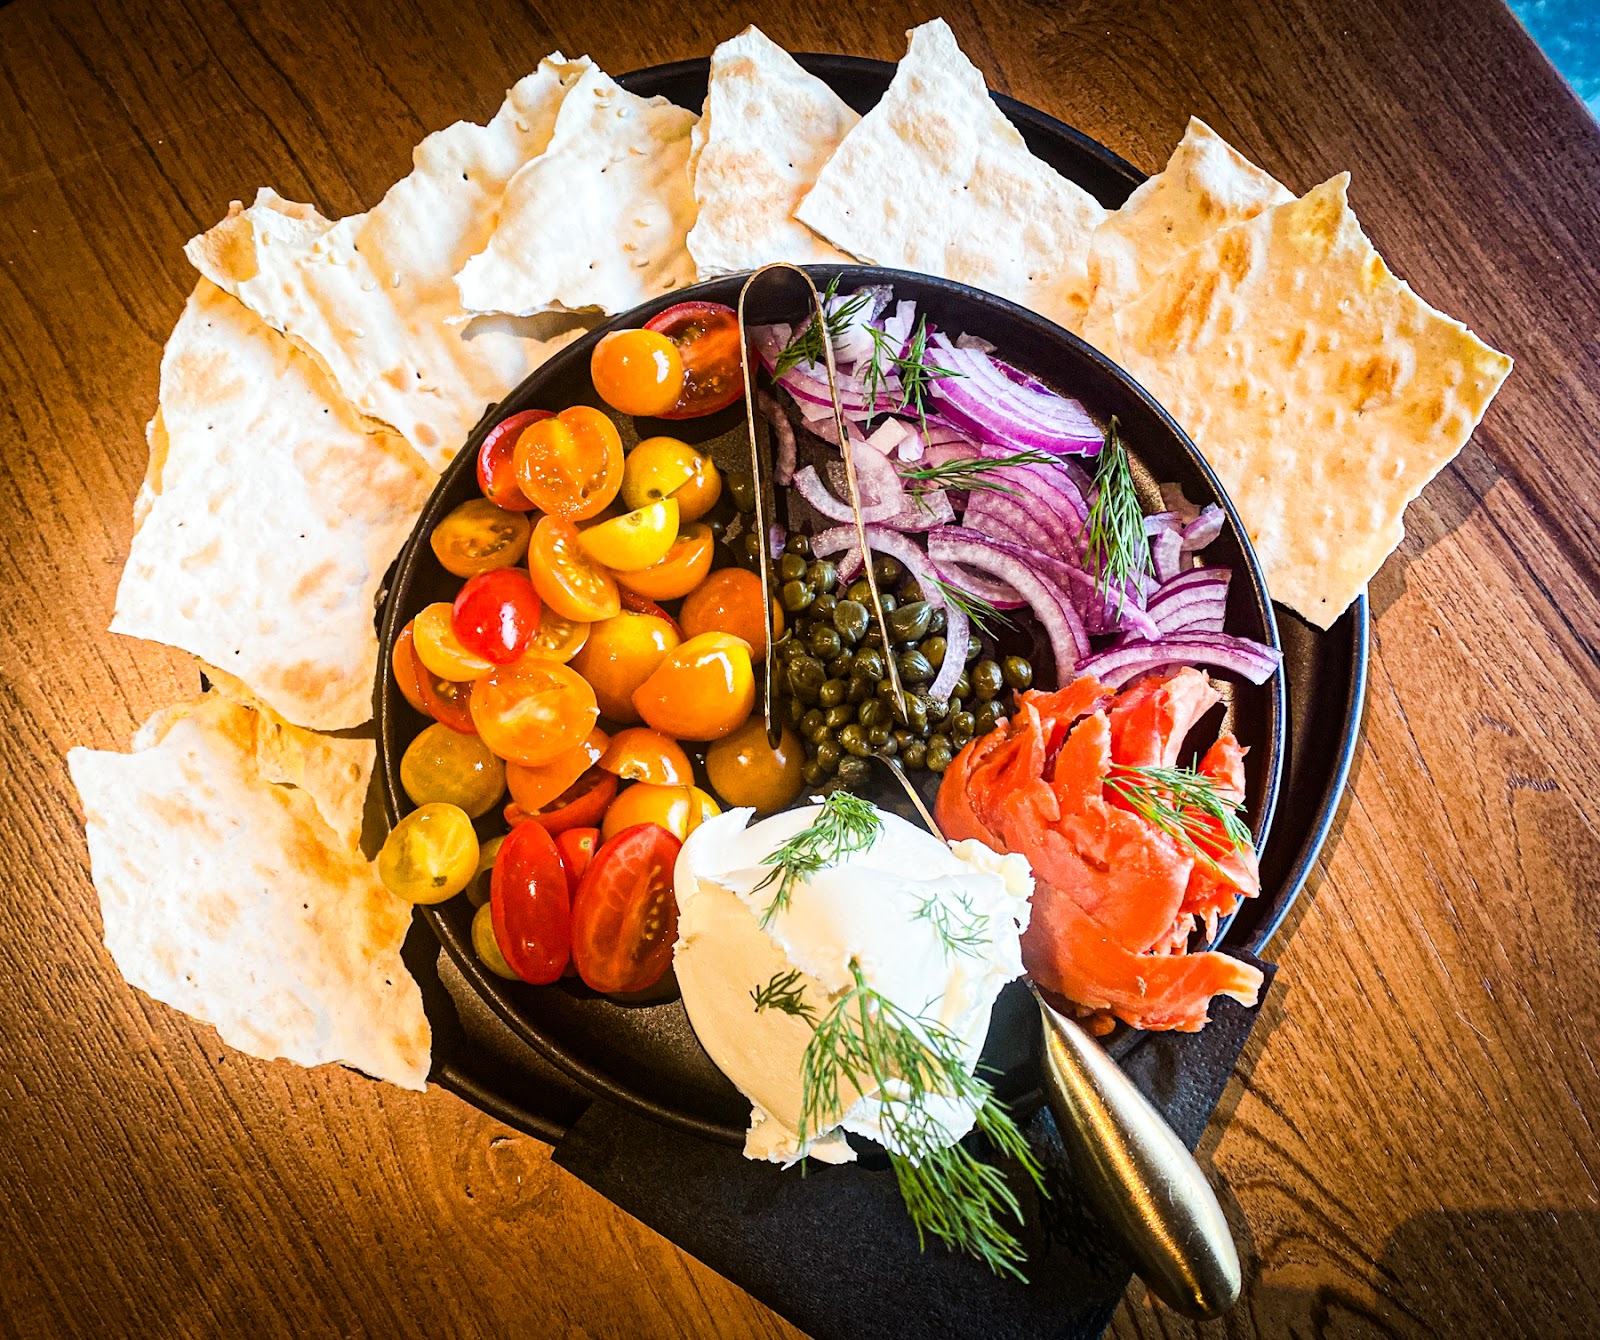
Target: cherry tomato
702 691
479 537
582 805
745 770
478 890
487 947
571 465
534 788
403 662
442 765
632 600
684 567
730 602
567 580
497 471
707 336
577 848
621 653
558 638
430 855
624 917
439 649
496 614
663 467
678 809
532 710
637 371
445 700
635 539
530 905
640 754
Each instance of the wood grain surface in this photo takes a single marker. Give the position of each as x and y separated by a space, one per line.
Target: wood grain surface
1410 1148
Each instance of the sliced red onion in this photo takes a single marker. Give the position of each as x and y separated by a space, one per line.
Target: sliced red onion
983 398
784 457
1025 515
1173 500
815 492
1195 601
1203 529
1137 656
982 586
977 342
1158 523
1166 554
1062 625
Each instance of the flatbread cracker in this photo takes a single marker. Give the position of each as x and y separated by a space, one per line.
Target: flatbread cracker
935 179
599 220
373 297
1323 391
766 131
268 518
1207 185
227 896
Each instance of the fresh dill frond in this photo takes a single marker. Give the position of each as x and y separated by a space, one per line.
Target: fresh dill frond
805 345
915 373
784 992
845 824
968 936
980 613
1118 550
975 473
1183 803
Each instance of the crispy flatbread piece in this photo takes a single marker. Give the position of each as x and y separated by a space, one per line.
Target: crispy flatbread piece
1324 392
267 519
599 220
226 895
934 178
767 129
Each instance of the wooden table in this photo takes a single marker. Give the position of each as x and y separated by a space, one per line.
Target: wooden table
1410 1148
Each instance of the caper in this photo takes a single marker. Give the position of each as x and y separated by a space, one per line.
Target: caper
854 771
939 623
860 687
824 735
914 668
884 689
860 592
840 666
797 596
1017 673
799 546
811 722
842 715
850 618
904 739
874 712
909 623
938 757
987 680
881 738
869 662
831 694
963 688
716 524
934 649
825 643
813 772
853 740
908 591
988 717
974 650
806 677
793 712
791 568
917 713
963 724
823 574
750 545
823 606
741 488
915 755
889 603
828 753
888 570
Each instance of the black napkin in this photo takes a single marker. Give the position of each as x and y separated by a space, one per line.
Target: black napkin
833 1251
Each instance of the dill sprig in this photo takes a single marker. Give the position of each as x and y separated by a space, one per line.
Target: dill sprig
969 936
867 1042
784 992
1117 549
805 345
1183 803
845 824
915 372
980 613
975 473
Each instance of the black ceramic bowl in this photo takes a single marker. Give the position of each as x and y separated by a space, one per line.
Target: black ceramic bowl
646 1055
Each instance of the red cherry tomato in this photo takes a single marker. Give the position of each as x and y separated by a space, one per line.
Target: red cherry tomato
442 699
581 805
496 614
530 905
624 916
497 475
577 847
707 336
638 604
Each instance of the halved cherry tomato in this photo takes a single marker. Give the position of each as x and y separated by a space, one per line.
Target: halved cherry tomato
571 465
640 754
403 662
678 809
559 637
497 471
684 567
442 765
581 805
730 602
637 371
496 614
624 917
486 946
577 847
635 539
621 653
745 770
707 336
663 467
479 537
702 691
567 580
434 639
430 855
445 700
632 600
530 905
532 710
534 788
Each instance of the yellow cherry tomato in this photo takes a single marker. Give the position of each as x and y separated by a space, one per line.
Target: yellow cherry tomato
443 765
664 467
437 647
621 653
479 537
558 638
635 539
486 946
702 806
566 578
637 371
478 890
640 754
702 691
534 788
685 566
745 770
430 855
570 466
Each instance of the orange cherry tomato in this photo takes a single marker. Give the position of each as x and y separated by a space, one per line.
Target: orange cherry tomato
637 371
533 710
730 602
403 662
581 805
745 770
640 754
707 336
632 600
684 567
678 809
497 471
445 700
702 691
624 917
664 467
558 638
571 465
535 787
479 537
621 653
566 578
577 847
